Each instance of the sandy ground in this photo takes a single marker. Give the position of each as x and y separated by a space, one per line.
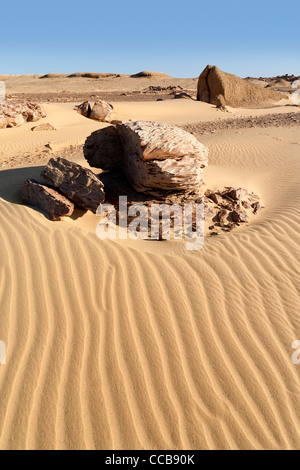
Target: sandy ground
144 345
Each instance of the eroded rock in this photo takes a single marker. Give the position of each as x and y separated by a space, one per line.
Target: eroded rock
76 182
101 111
240 217
235 91
47 199
158 157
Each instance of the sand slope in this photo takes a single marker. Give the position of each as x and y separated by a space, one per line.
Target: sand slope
116 345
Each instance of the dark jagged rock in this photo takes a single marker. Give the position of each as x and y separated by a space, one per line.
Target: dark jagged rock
39 195
76 182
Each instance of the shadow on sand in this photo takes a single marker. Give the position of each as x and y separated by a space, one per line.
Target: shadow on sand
11 185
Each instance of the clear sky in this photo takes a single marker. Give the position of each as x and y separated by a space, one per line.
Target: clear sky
256 38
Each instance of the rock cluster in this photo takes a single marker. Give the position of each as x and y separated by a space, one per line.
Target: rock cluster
64 184
14 114
220 88
156 158
147 162
233 207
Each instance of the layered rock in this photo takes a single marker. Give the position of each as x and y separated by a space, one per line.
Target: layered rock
76 182
158 157
47 199
16 113
220 88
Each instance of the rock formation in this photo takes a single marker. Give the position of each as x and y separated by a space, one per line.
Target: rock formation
158 157
16 113
85 109
48 199
99 111
76 182
103 149
236 92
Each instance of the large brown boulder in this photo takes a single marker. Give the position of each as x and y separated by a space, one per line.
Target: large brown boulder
39 195
76 182
103 149
159 157
215 87
16 113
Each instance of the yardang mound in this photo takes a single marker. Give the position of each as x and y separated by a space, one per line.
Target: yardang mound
146 74
213 84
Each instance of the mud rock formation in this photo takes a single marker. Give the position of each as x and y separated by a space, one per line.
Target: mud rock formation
158 157
236 91
39 195
76 182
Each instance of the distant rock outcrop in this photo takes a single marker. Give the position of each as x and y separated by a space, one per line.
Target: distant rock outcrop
99 111
76 182
158 157
236 92
40 195
14 114
147 74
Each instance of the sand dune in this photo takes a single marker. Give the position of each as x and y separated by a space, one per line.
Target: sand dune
124 345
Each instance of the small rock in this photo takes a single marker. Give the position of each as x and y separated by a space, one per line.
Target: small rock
237 194
101 111
222 216
76 182
43 127
256 207
246 204
216 197
47 199
239 216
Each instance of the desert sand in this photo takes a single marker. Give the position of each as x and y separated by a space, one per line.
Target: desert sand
144 345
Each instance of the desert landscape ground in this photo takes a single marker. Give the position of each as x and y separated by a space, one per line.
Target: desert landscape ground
123 344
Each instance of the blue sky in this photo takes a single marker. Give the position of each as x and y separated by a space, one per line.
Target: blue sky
257 38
